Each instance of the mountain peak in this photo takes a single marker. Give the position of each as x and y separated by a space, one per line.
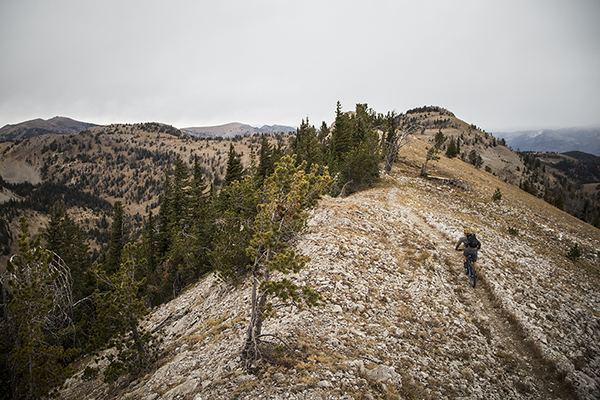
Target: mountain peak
36 127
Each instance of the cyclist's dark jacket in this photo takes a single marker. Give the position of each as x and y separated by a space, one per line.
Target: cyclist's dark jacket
466 242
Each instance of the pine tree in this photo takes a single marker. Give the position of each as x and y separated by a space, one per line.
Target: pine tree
202 220
148 270
475 159
324 132
432 153
285 196
120 309
361 165
234 167
341 137
574 253
36 365
451 150
233 211
362 122
394 140
353 151
65 238
199 194
180 195
439 139
497 195
305 144
265 161
164 219
117 239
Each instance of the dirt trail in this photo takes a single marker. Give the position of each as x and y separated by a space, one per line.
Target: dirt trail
502 330
521 356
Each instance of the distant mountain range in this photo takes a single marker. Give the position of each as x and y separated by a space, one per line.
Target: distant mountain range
68 126
585 139
236 129
37 127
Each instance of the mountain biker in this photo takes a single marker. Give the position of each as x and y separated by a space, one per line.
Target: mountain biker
469 241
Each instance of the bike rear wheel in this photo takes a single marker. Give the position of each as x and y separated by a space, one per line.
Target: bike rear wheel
470 270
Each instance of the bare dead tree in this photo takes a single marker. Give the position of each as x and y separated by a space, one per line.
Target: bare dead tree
60 317
396 143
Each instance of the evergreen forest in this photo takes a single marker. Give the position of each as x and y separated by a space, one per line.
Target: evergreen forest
60 301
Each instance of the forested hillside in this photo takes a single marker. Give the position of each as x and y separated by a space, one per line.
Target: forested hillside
204 214
127 217
400 319
92 169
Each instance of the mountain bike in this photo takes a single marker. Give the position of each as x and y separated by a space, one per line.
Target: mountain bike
470 271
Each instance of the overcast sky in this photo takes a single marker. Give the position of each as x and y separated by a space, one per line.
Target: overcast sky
502 65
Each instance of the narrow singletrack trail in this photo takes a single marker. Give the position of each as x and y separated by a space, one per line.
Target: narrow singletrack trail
518 354
502 329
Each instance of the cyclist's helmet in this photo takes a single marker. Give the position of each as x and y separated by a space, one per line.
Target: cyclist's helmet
467 231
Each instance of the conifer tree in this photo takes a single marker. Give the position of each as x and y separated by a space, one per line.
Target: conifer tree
497 195
234 167
306 146
353 151
389 136
341 137
150 235
231 210
117 239
394 140
233 228
475 159
451 150
202 220
148 250
324 132
432 153
120 309
35 364
361 165
164 219
199 194
179 203
284 199
265 161
439 139
64 237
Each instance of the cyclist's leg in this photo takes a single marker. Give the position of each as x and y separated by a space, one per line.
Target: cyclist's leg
472 255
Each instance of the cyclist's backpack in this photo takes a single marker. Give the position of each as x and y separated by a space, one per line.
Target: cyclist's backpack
472 240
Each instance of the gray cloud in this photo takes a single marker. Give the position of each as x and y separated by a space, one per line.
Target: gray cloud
498 64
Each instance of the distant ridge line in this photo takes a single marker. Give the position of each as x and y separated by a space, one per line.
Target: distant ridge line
236 129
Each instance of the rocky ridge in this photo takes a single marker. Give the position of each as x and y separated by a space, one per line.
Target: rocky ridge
401 319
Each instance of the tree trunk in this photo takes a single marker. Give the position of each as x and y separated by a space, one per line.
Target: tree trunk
424 167
391 156
136 337
251 352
